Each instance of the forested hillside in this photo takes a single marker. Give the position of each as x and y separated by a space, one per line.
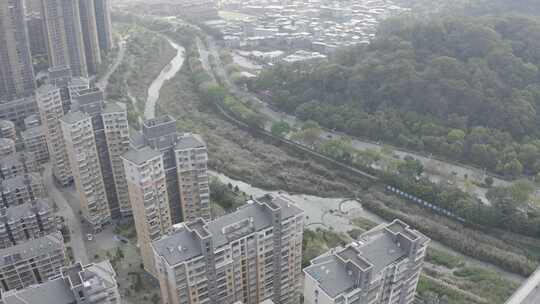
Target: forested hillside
465 88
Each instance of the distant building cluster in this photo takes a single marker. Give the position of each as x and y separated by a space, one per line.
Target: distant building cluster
193 10
316 28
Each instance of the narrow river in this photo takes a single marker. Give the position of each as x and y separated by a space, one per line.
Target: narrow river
320 211
166 74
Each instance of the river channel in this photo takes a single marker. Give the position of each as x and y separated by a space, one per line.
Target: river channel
166 74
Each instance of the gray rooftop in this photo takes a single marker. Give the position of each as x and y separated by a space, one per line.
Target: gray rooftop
254 216
114 107
160 132
33 132
74 116
4 124
259 214
139 156
60 72
32 121
103 270
45 89
332 275
11 160
190 141
15 182
168 247
16 213
26 250
58 290
6 142
136 138
55 291
381 250
72 272
375 250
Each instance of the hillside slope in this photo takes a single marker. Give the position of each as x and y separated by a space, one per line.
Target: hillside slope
465 88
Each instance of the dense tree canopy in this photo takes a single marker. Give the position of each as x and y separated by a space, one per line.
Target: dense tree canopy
465 88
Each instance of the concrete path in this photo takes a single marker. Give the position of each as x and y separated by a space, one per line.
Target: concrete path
72 219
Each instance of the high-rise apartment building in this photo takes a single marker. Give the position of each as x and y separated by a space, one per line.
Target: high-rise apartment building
20 189
32 262
32 121
147 188
248 256
25 222
70 86
191 158
90 35
17 110
90 284
16 72
7 147
85 166
54 100
96 134
17 164
94 283
167 180
104 25
35 142
115 133
7 130
32 6
382 267
64 35
185 165
51 111
36 34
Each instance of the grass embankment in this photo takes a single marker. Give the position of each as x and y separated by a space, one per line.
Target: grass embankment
241 155
451 277
147 53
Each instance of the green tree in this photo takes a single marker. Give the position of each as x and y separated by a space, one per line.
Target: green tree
138 286
340 149
410 167
280 128
488 181
455 135
215 93
119 254
522 190
310 124
511 168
